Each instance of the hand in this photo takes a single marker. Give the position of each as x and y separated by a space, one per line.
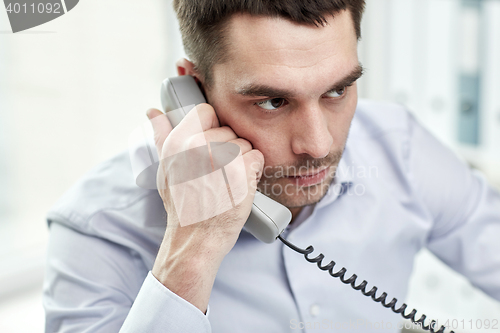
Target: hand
193 247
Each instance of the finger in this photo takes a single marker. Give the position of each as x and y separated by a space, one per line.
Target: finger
254 162
161 127
200 119
245 145
242 175
208 116
191 129
220 134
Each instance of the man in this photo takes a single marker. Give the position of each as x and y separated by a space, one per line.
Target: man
281 76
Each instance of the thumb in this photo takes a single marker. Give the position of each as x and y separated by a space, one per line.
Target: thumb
161 127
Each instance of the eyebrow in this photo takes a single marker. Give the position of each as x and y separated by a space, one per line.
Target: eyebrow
267 91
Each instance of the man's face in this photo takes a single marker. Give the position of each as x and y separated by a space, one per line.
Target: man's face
285 88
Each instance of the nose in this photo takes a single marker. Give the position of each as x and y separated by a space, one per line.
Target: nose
310 133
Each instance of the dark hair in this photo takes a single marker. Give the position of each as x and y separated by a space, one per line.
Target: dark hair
202 22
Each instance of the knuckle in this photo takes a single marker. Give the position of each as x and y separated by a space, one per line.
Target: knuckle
228 131
258 156
205 109
202 108
226 128
215 134
194 141
172 143
255 160
244 144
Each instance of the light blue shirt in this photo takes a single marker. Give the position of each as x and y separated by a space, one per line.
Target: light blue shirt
396 191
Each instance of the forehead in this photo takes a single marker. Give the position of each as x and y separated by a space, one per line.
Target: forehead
278 51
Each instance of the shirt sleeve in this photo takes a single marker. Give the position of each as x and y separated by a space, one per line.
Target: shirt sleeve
464 208
93 285
148 314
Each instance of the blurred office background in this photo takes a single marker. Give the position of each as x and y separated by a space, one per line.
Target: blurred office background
73 89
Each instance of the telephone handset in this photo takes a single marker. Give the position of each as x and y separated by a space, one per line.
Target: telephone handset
268 218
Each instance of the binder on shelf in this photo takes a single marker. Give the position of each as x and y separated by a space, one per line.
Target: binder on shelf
470 74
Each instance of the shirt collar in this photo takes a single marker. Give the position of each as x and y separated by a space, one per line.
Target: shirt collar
341 182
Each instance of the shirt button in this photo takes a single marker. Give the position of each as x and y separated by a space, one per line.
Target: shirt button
314 310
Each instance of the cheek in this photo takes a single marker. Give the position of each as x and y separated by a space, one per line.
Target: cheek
271 141
227 113
243 125
263 135
340 122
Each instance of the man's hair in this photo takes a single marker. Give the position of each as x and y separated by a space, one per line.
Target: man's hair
203 22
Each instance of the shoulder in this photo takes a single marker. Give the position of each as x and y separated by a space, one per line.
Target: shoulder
380 140
107 196
382 130
375 118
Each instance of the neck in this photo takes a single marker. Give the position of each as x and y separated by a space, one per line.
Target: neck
295 212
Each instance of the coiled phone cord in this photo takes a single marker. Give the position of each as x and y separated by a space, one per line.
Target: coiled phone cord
352 281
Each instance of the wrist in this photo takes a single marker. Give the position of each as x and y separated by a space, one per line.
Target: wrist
190 276
209 244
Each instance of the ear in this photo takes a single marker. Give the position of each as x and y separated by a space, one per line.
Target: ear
186 67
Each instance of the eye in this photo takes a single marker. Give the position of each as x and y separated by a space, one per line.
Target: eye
272 104
336 93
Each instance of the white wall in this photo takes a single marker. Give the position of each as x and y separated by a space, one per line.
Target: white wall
71 91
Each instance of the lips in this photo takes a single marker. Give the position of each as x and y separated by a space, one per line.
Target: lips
310 178
309 174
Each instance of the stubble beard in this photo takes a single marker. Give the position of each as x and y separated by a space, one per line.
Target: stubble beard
275 184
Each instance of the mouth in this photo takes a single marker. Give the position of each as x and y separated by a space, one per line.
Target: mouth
310 178
309 174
